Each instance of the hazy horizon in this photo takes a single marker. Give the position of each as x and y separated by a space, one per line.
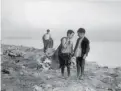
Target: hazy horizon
31 18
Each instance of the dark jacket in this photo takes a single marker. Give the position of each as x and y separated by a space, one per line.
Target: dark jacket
84 45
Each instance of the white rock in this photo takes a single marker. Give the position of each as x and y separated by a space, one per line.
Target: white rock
107 79
58 89
37 88
119 85
21 73
48 87
47 61
89 89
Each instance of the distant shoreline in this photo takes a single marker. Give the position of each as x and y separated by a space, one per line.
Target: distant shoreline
30 38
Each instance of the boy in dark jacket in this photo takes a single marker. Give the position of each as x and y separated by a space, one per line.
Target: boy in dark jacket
81 51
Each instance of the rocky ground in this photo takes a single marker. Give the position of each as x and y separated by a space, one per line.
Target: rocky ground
29 69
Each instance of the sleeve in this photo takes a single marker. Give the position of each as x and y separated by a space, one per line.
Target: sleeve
64 43
76 45
72 50
87 47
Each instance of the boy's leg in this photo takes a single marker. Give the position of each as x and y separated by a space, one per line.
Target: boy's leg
45 46
62 70
68 64
82 67
78 67
61 62
68 70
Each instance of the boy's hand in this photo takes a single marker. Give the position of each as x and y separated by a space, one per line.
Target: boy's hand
84 57
72 54
74 57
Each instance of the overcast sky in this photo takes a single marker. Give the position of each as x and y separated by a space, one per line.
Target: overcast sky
30 18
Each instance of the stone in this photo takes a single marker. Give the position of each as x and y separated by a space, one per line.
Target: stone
58 89
5 71
37 88
107 79
119 85
3 90
48 87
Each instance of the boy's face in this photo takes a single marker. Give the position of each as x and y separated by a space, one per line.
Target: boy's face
81 35
48 32
70 35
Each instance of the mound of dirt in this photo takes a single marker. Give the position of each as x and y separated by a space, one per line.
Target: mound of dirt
29 69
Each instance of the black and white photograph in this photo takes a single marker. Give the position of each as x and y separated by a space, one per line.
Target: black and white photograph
60 45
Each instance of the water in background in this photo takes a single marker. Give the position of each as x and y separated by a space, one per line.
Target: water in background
104 53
